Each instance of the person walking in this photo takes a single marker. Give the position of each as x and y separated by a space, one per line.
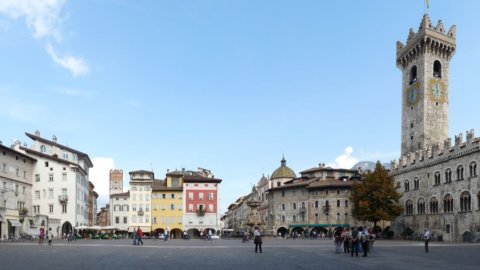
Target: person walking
50 236
337 235
134 236
41 235
210 235
426 238
257 239
355 240
347 238
364 240
139 236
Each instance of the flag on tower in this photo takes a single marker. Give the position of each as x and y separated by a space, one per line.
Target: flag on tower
427 3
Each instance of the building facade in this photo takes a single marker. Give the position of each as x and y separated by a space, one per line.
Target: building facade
60 185
439 181
16 173
119 210
140 193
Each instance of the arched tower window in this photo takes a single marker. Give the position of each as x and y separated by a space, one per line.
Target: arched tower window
433 206
416 183
473 169
448 176
448 203
409 207
421 206
43 149
413 74
460 172
407 185
437 69
437 178
465 201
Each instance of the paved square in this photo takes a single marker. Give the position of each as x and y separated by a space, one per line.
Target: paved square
232 255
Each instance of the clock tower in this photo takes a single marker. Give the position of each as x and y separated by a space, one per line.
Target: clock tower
424 61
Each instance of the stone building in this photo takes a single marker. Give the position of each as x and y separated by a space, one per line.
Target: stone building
439 181
317 201
119 210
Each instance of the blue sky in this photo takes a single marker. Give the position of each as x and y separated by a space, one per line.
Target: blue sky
229 86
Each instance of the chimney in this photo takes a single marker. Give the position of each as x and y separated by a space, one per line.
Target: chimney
54 138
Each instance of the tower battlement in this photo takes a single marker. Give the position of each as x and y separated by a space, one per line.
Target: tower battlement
429 38
436 153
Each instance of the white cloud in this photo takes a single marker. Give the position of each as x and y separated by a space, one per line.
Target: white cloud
99 176
43 18
345 160
76 65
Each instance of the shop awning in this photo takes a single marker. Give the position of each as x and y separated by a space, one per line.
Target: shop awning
15 222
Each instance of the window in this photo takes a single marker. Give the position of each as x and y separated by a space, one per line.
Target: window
283 206
134 197
200 196
346 203
465 201
50 177
437 69
134 207
50 193
448 204
437 178
413 75
50 208
283 218
37 194
172 206
294 218
416 183
473 169
283 193
155 220
409 208
407 185
279 184
4 167
294 206
421 206
338 216
448 176
190 207
64 176
338 203
65 156
211 196
190 195
460 172
117 220
316 204
43 149
134 219
124 220
433 206
172 196
210 208
175 181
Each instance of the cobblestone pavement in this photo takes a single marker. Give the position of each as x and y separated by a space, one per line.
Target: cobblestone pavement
232 255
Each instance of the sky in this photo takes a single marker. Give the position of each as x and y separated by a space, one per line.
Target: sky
229 86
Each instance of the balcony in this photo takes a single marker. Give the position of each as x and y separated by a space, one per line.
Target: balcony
63 199
23 212
201 212
140 213
326 208
302 210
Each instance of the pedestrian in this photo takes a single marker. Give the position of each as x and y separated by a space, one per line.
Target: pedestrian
257 239
134 235
337 235
165 236
139 236
50 236
41 235
355 240
364 240
210 235
426 238
185 235
347 239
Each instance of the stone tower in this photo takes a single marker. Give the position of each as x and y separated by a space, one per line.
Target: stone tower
116 181
424 61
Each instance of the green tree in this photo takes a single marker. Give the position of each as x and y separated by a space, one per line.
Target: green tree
376 198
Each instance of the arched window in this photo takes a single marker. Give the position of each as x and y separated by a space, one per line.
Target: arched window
155 220
421 206
465 201
413 74
437 178
338 203
473 169
134 207
294 206
448 176
460 172
303 205
283 218
478 200
407 185
433 206
43 149
416 183
338 216
437 69
448 204
283 206
409 208
294 218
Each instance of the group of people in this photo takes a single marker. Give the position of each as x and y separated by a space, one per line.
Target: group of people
45 235
137 236
352 239
206 235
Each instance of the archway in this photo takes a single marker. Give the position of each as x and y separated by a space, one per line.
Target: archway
175 233
321 231
282 231
66 229
297 232
193 233
158 231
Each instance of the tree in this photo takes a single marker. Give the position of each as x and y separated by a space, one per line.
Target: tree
376 198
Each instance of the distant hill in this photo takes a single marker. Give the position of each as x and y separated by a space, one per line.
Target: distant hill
369 165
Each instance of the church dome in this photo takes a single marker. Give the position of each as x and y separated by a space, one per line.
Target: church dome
283 171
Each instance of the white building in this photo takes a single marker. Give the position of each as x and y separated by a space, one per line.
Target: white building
15 193
119 210
60 184
140 194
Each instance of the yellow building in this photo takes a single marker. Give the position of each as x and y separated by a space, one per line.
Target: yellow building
167 206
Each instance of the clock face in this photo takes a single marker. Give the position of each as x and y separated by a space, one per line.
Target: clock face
437 91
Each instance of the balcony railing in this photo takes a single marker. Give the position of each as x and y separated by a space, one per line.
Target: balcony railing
23 212
63 198
201 212
302 210
326 208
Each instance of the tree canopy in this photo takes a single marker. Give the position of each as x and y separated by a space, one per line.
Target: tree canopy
376 198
